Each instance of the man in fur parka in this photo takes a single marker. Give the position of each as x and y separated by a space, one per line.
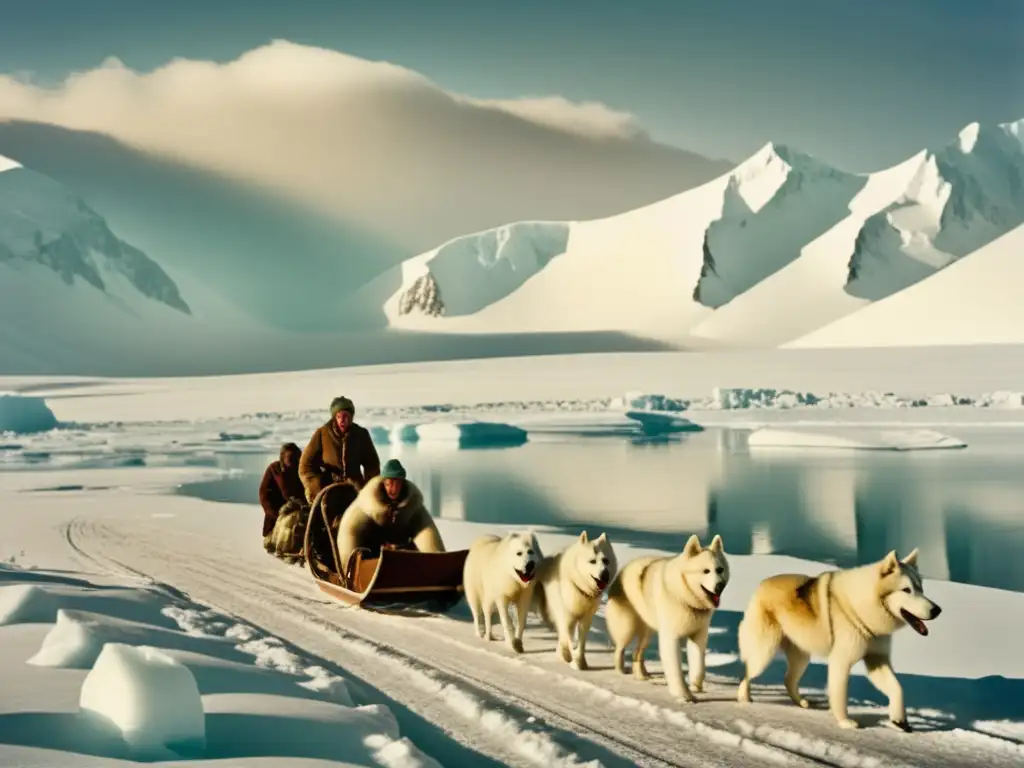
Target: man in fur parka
389 510
339 451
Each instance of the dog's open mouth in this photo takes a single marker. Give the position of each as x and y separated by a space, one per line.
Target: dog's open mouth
524 577
601 581
714 597
913 621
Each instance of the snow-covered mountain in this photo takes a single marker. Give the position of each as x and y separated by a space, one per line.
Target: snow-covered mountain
44 224
66 278
977 300
766 253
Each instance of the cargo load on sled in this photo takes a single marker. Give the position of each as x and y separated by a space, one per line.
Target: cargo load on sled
377 575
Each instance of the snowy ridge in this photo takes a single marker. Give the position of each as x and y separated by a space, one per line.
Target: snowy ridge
774 203
716 262
961 197
43 223
466 274
974 301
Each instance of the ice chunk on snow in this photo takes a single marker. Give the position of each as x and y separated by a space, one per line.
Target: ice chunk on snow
150 698
39 603
23 415
854 439
23 604
77 638
471 434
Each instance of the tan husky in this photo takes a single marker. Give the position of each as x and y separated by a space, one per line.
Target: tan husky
843 616
675 597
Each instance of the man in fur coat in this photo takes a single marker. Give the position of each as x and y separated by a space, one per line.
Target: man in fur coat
389 511
281 489
339 451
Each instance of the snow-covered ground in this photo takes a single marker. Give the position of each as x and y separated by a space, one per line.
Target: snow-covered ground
114 584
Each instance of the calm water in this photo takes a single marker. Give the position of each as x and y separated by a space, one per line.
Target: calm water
964 509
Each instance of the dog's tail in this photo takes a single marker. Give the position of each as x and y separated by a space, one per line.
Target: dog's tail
758 633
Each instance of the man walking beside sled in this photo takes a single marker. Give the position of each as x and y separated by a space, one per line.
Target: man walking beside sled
281 490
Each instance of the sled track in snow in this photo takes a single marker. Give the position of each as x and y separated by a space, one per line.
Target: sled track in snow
491 698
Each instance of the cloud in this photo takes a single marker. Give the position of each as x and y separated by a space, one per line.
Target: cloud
370 142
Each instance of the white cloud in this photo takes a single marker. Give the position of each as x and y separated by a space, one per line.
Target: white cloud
370 141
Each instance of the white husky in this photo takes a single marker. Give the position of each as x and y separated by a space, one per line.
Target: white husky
499 573
675 597
568 592
844 616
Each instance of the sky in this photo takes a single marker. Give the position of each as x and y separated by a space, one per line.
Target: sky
861 84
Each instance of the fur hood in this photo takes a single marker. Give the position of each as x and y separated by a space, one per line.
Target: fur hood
373 501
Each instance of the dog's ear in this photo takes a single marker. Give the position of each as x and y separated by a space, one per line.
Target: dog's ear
692 548
583 537
716 545
602 538
890 564
911 559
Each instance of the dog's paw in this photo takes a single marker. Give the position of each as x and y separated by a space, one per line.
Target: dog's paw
899 725
848 725
803 703
580 663
564 653
516 645
684 696
698 687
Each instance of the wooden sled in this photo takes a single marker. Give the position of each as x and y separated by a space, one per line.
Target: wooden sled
389 579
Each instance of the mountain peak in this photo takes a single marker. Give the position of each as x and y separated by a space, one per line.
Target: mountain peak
968 137
42 222
6 164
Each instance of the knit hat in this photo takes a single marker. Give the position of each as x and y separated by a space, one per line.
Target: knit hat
393 469
342 403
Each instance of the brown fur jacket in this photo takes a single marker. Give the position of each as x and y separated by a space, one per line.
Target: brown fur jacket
368 521
331 457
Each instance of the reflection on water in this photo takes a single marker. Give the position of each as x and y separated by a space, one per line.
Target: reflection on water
963 509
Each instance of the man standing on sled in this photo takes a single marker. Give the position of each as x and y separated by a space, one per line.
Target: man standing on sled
339 451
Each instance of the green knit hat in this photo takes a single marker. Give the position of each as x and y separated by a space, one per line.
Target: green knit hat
342 403
393 469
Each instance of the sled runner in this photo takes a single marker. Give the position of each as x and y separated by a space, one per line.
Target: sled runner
390 578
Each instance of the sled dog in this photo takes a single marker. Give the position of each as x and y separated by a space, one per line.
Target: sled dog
568 592
675 597
289 531
500 572
843 616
